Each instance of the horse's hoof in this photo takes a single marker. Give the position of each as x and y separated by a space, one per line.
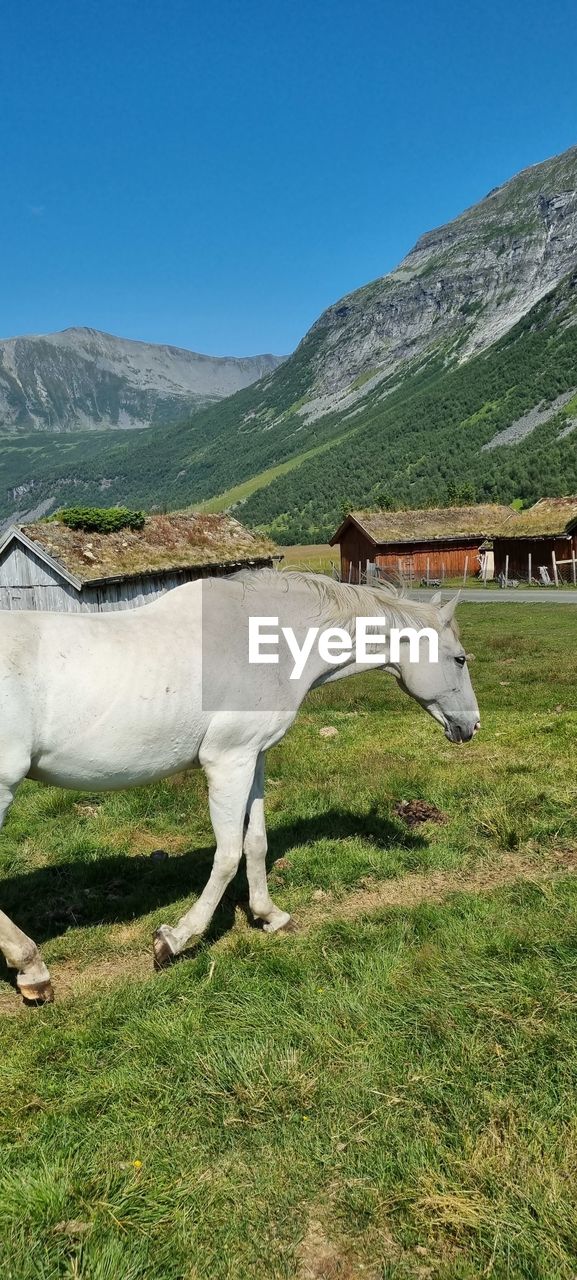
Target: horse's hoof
38 993
163 956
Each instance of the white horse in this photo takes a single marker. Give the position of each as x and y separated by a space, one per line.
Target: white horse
106 701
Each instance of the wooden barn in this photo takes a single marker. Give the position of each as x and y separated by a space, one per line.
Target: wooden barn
51 566
432 544
540 542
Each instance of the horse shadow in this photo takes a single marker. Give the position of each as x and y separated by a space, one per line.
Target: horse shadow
118 888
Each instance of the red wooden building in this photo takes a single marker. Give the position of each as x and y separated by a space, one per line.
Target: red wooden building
435 543
543 537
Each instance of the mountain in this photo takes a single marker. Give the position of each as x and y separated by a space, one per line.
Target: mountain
81 379
456 374
459 289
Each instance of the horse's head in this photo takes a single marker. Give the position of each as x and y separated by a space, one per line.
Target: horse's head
443 688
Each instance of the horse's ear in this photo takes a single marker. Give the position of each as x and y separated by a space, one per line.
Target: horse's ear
436 599
448 609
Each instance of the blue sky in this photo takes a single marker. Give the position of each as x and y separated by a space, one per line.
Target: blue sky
213 175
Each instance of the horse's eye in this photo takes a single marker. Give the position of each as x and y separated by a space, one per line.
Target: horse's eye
461 659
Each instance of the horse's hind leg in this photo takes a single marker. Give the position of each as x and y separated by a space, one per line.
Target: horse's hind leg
20 952
255 847
229 782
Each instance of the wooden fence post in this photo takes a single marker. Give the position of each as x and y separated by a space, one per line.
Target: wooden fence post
555 571
530 568
428 573
465 573
506 571
574 567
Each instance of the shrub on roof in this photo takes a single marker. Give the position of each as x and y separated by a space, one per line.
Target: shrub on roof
99 519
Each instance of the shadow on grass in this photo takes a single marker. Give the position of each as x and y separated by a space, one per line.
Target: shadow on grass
46 901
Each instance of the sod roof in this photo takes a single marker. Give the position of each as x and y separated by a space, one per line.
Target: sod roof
166 542
430 524
548 517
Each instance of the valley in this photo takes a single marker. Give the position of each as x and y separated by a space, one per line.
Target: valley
451 379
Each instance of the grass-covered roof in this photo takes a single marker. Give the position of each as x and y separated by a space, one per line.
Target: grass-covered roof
548 517
165 542
430 524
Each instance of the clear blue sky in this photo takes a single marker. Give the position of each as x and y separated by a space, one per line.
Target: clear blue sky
213 175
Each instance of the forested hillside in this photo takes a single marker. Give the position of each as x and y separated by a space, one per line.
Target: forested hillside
428 445
423 445
391 398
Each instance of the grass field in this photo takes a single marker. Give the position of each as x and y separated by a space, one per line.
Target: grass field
319 557
388 1094
240 492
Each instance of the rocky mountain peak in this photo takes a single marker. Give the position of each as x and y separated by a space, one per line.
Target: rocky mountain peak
460 287
83 379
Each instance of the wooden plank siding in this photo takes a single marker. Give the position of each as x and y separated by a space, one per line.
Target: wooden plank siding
131 593
26 582
446 558
540 550
356 550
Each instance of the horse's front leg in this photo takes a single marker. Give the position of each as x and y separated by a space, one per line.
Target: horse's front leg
255 847
20 952
229 781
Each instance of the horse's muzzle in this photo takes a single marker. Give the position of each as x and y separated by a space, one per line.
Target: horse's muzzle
462 733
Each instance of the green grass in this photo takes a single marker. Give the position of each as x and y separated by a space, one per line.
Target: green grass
313 558
393 1091
364 377
240 492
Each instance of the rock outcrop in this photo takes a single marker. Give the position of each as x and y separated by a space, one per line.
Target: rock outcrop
460 288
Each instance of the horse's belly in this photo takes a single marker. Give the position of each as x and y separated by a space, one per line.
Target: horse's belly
86 775
122 749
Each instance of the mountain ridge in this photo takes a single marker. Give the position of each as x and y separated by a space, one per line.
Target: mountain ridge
82 378
452 285
461 326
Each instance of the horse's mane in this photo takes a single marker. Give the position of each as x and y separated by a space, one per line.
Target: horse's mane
338 603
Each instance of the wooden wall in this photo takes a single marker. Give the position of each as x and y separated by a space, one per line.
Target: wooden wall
408 559
541 550
103 597
26 582
356 550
